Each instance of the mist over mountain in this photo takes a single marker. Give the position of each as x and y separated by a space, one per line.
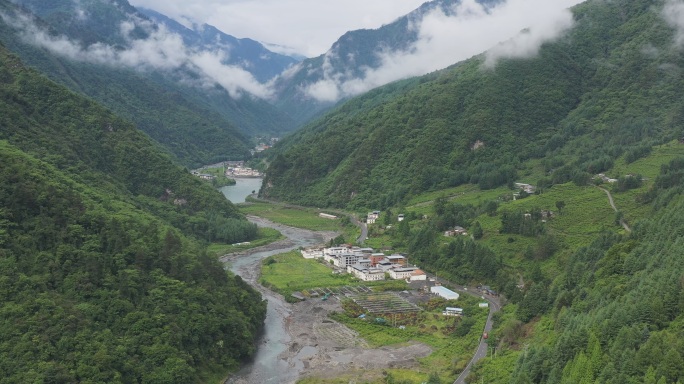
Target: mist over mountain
246 53
434 36
186 98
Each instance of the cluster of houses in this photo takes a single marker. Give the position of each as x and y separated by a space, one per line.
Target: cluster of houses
264 144
372 217
366 264
242 172
203 176
605 178
456 231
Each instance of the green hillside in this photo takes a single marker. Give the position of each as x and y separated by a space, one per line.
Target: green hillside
585 100
104 275
594 294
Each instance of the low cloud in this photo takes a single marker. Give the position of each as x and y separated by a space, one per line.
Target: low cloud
512 29
673 13
161 50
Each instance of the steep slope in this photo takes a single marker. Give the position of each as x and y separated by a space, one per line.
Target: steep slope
580 103
103 276
198 122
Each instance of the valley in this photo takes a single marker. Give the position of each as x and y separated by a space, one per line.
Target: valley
474 191
567 225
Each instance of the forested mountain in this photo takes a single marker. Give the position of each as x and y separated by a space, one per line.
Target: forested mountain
104 275
115 55
245 52
348 60
588 300
608 87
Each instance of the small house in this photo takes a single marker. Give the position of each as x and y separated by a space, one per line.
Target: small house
452 311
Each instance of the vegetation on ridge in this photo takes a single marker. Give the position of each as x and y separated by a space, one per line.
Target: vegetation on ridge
587 300
104 275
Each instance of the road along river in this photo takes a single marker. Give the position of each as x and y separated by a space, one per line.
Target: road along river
267 365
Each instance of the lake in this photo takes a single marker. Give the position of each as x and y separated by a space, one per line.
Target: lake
244 187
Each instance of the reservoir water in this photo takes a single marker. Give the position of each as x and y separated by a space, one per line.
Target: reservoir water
243 188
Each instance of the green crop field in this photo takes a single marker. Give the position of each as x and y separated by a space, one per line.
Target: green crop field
290 272
264 236
299 217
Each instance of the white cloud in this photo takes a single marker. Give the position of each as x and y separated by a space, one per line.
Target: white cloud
306 27
673 13
445 40
162 50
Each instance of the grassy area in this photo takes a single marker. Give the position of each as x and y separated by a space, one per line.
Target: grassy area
290 272
264 236
299 217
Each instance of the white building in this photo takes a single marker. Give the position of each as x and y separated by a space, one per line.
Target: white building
402 273
418 275
372 217
345 259
452 311
312 253
444 292
366 274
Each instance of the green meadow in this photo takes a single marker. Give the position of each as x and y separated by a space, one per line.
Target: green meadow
265 236
298 217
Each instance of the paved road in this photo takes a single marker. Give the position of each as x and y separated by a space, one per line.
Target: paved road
364 230
481 352
494 306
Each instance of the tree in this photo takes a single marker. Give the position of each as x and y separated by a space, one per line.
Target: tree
387 219
434 379
560 204
477 231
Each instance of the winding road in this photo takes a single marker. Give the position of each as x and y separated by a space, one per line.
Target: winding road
494 306
612 204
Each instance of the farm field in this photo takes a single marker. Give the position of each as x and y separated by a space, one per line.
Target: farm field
299 217
265 236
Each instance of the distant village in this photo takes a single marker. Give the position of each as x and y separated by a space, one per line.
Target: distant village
233 169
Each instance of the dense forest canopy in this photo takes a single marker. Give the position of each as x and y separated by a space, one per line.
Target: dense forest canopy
584 100
104 275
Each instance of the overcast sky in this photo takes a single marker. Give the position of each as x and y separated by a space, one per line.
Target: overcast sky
309 27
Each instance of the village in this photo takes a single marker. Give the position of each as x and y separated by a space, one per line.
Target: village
230 169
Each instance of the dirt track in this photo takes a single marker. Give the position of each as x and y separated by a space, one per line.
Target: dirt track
328 349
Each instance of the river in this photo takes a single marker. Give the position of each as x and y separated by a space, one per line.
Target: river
243 188
266 366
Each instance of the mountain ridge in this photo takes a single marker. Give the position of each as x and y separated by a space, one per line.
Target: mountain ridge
103 261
